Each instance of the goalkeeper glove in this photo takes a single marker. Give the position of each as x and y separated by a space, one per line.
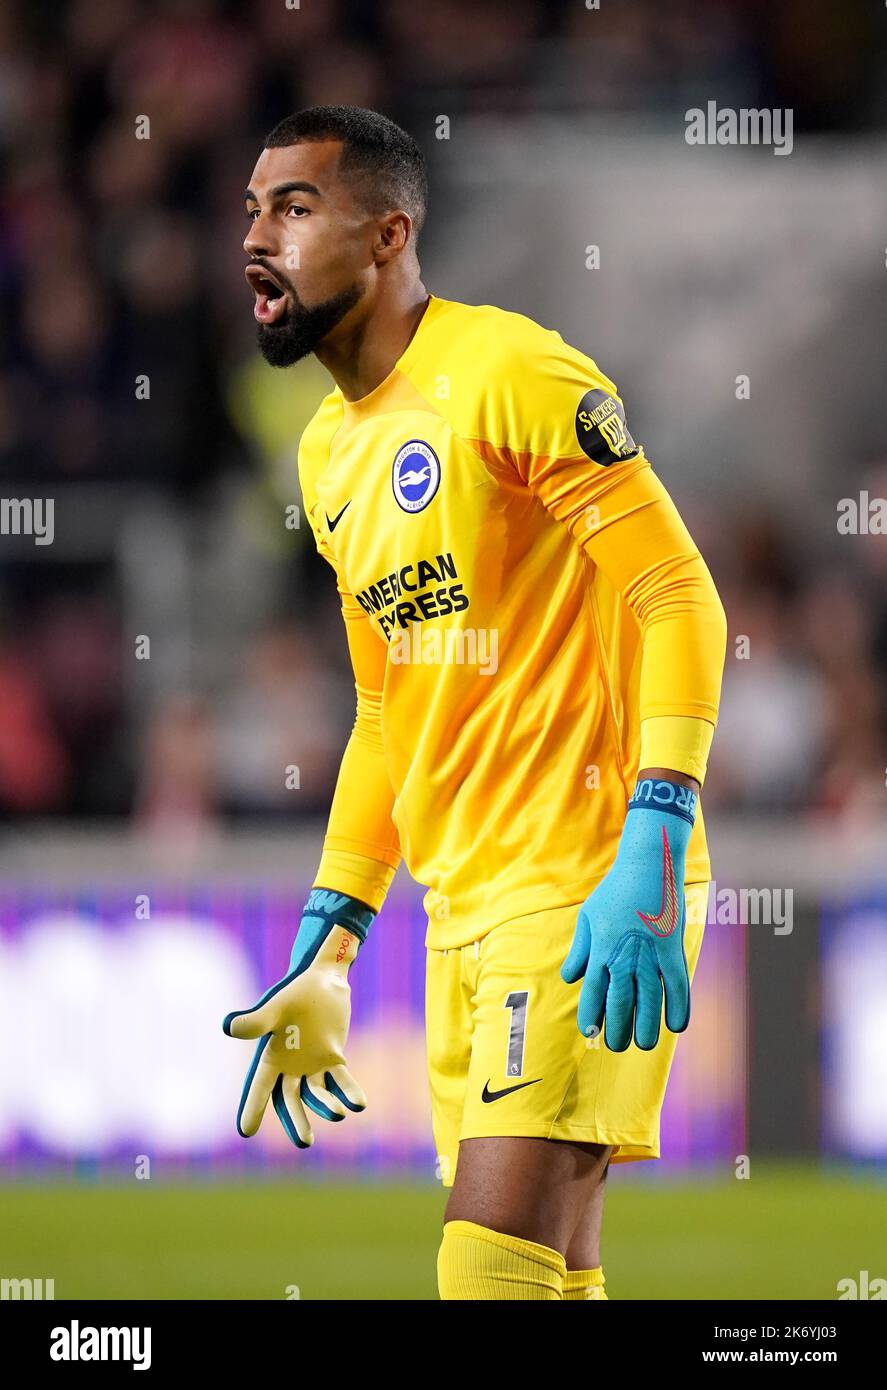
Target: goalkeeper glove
629 938
302 1023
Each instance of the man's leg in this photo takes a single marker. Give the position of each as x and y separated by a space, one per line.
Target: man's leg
513 1214
585 1275
584 1250
537 1189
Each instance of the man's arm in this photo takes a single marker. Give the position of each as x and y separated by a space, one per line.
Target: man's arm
628 946
565 434
569 442
302 1021
361 850
634 534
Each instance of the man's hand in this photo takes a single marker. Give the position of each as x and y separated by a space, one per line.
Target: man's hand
629 938
302 1023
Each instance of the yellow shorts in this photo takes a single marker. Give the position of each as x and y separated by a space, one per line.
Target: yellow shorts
505 1055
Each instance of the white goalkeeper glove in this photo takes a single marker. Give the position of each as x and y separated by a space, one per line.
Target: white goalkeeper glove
302 1023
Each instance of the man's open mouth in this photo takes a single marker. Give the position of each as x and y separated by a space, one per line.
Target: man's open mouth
271 303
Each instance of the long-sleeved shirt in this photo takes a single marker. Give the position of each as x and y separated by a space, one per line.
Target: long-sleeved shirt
527 617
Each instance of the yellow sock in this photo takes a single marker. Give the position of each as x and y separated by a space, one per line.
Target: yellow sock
585 1283
479 1264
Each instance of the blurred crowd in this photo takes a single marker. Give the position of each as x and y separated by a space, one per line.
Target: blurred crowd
121 263
803 718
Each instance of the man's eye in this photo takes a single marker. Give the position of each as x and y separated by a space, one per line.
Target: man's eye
297 209
252 214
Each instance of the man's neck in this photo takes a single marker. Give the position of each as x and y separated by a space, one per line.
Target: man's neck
360 361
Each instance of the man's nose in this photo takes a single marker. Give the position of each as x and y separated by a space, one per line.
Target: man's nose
257 241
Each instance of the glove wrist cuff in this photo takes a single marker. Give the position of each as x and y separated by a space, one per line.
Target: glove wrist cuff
668 798
328 915
342 911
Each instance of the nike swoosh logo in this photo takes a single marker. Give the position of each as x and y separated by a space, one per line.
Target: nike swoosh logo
332 524
666 919
488 1096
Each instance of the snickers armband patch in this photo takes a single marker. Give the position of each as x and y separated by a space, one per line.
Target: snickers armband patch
601 429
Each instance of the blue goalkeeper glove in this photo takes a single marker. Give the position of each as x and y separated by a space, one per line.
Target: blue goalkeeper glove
302 1023
629 938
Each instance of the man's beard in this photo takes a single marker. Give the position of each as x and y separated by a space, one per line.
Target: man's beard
301 329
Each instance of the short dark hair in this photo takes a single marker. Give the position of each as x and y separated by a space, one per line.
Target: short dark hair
380 158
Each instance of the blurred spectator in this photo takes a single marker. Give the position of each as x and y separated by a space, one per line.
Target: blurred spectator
33 766
282 728
176 797
771 727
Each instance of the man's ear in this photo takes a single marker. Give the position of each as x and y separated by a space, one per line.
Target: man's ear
393 235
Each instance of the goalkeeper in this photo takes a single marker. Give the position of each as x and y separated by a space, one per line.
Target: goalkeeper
474 483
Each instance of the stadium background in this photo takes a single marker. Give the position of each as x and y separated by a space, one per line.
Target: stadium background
153 858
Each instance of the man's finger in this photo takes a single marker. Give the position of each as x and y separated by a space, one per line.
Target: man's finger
592 999
677 994
256 1090
620 1002
291 1112
263 1017
649 1004
323 1102
573 967
342 1084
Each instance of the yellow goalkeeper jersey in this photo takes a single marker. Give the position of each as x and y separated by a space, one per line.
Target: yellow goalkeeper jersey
520 595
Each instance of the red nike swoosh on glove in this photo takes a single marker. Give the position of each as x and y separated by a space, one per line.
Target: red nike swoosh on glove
664 923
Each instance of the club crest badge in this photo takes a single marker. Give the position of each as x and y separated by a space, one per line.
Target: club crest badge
415 475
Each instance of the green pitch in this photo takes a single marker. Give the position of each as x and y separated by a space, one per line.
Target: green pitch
786 1233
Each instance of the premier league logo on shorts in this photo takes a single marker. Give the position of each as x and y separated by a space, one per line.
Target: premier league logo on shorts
415 475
